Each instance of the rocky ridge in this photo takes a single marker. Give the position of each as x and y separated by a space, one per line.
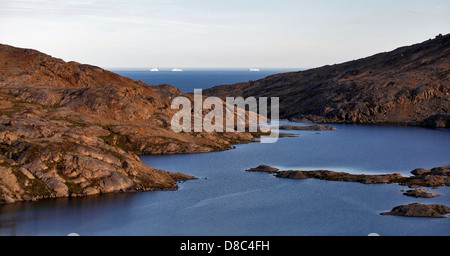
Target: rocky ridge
407 86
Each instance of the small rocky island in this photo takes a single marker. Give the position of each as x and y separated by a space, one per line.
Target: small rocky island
436 177
420 193
420 210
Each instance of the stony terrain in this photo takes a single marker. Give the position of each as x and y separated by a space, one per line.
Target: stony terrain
407 86
68 129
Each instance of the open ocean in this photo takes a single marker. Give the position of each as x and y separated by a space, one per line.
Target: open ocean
189 80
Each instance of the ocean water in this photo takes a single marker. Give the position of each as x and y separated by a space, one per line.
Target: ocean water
191 79
226 200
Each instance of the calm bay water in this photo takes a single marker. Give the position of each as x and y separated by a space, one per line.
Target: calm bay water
226 200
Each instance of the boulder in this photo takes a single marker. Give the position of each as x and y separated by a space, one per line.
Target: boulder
420 193
263 168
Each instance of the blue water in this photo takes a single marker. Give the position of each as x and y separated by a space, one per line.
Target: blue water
189 80
226 200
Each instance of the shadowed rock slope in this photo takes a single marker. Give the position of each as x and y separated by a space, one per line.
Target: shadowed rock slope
409 85
68 129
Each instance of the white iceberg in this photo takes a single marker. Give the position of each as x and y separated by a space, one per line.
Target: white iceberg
154 70
177 70
254 69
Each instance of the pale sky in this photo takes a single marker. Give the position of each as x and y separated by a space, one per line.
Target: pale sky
219 33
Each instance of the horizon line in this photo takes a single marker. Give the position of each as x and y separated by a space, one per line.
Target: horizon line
163 69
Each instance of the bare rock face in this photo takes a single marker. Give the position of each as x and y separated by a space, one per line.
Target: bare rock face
420 210
409 85
68 129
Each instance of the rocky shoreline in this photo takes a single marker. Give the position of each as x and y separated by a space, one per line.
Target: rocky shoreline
69 129
436 177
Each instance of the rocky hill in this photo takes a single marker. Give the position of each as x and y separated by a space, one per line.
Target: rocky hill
409 85
68 129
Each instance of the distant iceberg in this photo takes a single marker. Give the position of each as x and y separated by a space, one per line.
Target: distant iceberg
177 70
154 70
254 69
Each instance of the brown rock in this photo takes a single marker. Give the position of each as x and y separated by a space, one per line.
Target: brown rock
292 175
263 168
420 193
69 129
420 210
437 121
436 177
406 86
419 171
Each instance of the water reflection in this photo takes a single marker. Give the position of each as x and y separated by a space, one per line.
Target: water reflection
62 213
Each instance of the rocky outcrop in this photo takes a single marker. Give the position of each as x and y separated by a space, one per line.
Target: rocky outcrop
44 158
68 129
437 121
420 210
409 85
435 177
340 176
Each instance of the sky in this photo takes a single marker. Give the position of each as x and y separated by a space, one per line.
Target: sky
217 33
